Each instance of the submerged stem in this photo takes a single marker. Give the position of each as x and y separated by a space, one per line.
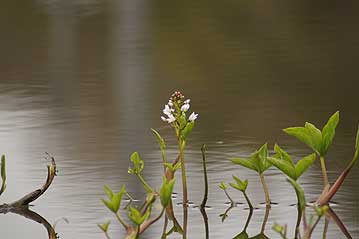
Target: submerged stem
265 189
205 196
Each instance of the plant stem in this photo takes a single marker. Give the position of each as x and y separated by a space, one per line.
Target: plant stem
184 187
145 184
248 201
229 197
265 189
123 223
324 172
205 196
299 218
164 231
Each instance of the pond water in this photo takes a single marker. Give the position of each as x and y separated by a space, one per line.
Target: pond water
86 80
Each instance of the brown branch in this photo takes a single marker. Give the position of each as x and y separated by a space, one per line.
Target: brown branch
32 196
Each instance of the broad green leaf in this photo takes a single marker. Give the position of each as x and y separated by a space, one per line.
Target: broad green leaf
166 191
300 193
302 135
247 163
160 140
284 166
104 227
315 135
303 164
109 205
282 154
108 191
329 132
3 175
115 201
187 130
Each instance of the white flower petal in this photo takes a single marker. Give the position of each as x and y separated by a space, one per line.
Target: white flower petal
171 119
185 107
187 101
193 116
163 119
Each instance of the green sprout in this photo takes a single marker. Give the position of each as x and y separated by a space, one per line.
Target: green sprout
104 228
318 140
241 186
258 162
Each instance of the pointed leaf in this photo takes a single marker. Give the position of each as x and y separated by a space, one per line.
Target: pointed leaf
137 162
187 130
222 186
160 140
303 164
108 191
247 163
104 227
302 134
166 191
135 215
282 154
316 136
284 166
260 156
329 131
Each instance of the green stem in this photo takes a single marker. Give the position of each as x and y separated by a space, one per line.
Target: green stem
248 201
145 184
324 172
123 223
184 186
229 197
299 218
265 189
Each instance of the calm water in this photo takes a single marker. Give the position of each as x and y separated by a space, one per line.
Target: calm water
85 80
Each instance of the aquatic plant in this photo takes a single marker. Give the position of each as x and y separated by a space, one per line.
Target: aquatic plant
318 140
175 114
241 186
258 162
139 216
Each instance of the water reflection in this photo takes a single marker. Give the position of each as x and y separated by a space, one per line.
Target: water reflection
31 215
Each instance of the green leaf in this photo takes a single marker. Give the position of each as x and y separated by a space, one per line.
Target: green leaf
239 185
3 175
257 161
172 167
282 154
166 191
315 135
187 130
108 191
260 157
160 140
247 163
115 201
135 215
104 227
222 186
242 235
303 164
303 135
284 166
328 132
138 164
300 193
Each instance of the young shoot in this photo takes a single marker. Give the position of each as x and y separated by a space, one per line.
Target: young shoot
258 162
318 140
241 186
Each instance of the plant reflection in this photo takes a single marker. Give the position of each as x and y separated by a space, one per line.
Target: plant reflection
26 212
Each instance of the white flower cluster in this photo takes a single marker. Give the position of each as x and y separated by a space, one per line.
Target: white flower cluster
169 110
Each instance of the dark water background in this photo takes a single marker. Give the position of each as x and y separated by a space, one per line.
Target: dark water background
85 80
